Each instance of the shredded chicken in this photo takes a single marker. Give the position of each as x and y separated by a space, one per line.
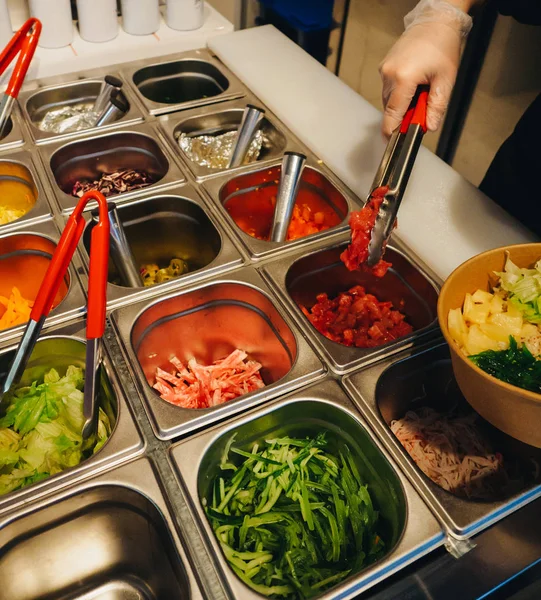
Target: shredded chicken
200 386
451 452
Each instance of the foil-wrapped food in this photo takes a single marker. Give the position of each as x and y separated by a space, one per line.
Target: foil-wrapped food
110 184
68 119
214 151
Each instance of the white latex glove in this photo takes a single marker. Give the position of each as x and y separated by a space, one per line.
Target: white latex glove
428 52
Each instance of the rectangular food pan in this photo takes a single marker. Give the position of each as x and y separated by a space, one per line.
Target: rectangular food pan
406 526
25 255
173 224
302 276
247 198
207 322
218 119
111 537
37 103
182 80
12 136
415 380
137 147
59 348
21 190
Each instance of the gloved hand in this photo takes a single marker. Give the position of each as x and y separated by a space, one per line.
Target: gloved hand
428 52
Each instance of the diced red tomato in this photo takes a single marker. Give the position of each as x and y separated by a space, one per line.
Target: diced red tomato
361 224
358 319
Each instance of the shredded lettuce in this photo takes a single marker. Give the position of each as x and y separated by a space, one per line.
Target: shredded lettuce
40 433
524 289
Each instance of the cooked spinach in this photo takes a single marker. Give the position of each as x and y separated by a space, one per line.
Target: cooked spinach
516 365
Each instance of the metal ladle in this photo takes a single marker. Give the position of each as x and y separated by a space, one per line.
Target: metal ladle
116 106
247 129
119 248
109 83
292 167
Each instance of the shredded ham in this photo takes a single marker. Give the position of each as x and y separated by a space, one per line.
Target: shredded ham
451 452
361 223
200 386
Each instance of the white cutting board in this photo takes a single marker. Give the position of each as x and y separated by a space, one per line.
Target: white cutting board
443 219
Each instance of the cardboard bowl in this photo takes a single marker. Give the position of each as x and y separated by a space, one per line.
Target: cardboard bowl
513 410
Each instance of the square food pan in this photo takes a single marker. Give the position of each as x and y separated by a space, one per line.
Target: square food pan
135 147
59 348
208 321
12 136
37 103
20 175
317 185
411 531
174 224
415 379
25 255
217 119
110 537
182 80
300 277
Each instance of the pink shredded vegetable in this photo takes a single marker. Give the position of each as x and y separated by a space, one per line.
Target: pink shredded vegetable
451 451
200 386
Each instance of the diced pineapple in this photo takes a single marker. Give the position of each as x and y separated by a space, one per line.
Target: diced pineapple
468 304
477 313
512 325
477 341
457 326
482 297
513 311
496 333
529 330
496 305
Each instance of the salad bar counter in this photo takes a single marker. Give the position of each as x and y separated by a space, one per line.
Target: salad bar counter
270 422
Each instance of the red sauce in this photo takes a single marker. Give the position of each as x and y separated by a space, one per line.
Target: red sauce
253 212
361 224
357 319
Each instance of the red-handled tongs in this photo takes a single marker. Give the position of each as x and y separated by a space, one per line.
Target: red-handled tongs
394 172
97 290
24 43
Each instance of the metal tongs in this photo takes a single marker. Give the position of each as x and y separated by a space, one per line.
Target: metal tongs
97 290
24 42
394 172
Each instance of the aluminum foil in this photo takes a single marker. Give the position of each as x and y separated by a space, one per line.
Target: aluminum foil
69 118
214 151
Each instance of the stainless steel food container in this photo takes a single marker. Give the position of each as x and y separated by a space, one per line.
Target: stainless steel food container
18 250
36 103
315 179
59 348
322 407
21 164
182 80
13 134
221 118
174 224
414 379
300 277
135 147
112 537
208 321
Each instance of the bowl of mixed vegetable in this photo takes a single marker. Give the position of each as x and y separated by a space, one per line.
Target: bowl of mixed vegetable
489 311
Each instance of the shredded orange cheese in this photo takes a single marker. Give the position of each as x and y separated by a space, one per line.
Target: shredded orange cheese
17 309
